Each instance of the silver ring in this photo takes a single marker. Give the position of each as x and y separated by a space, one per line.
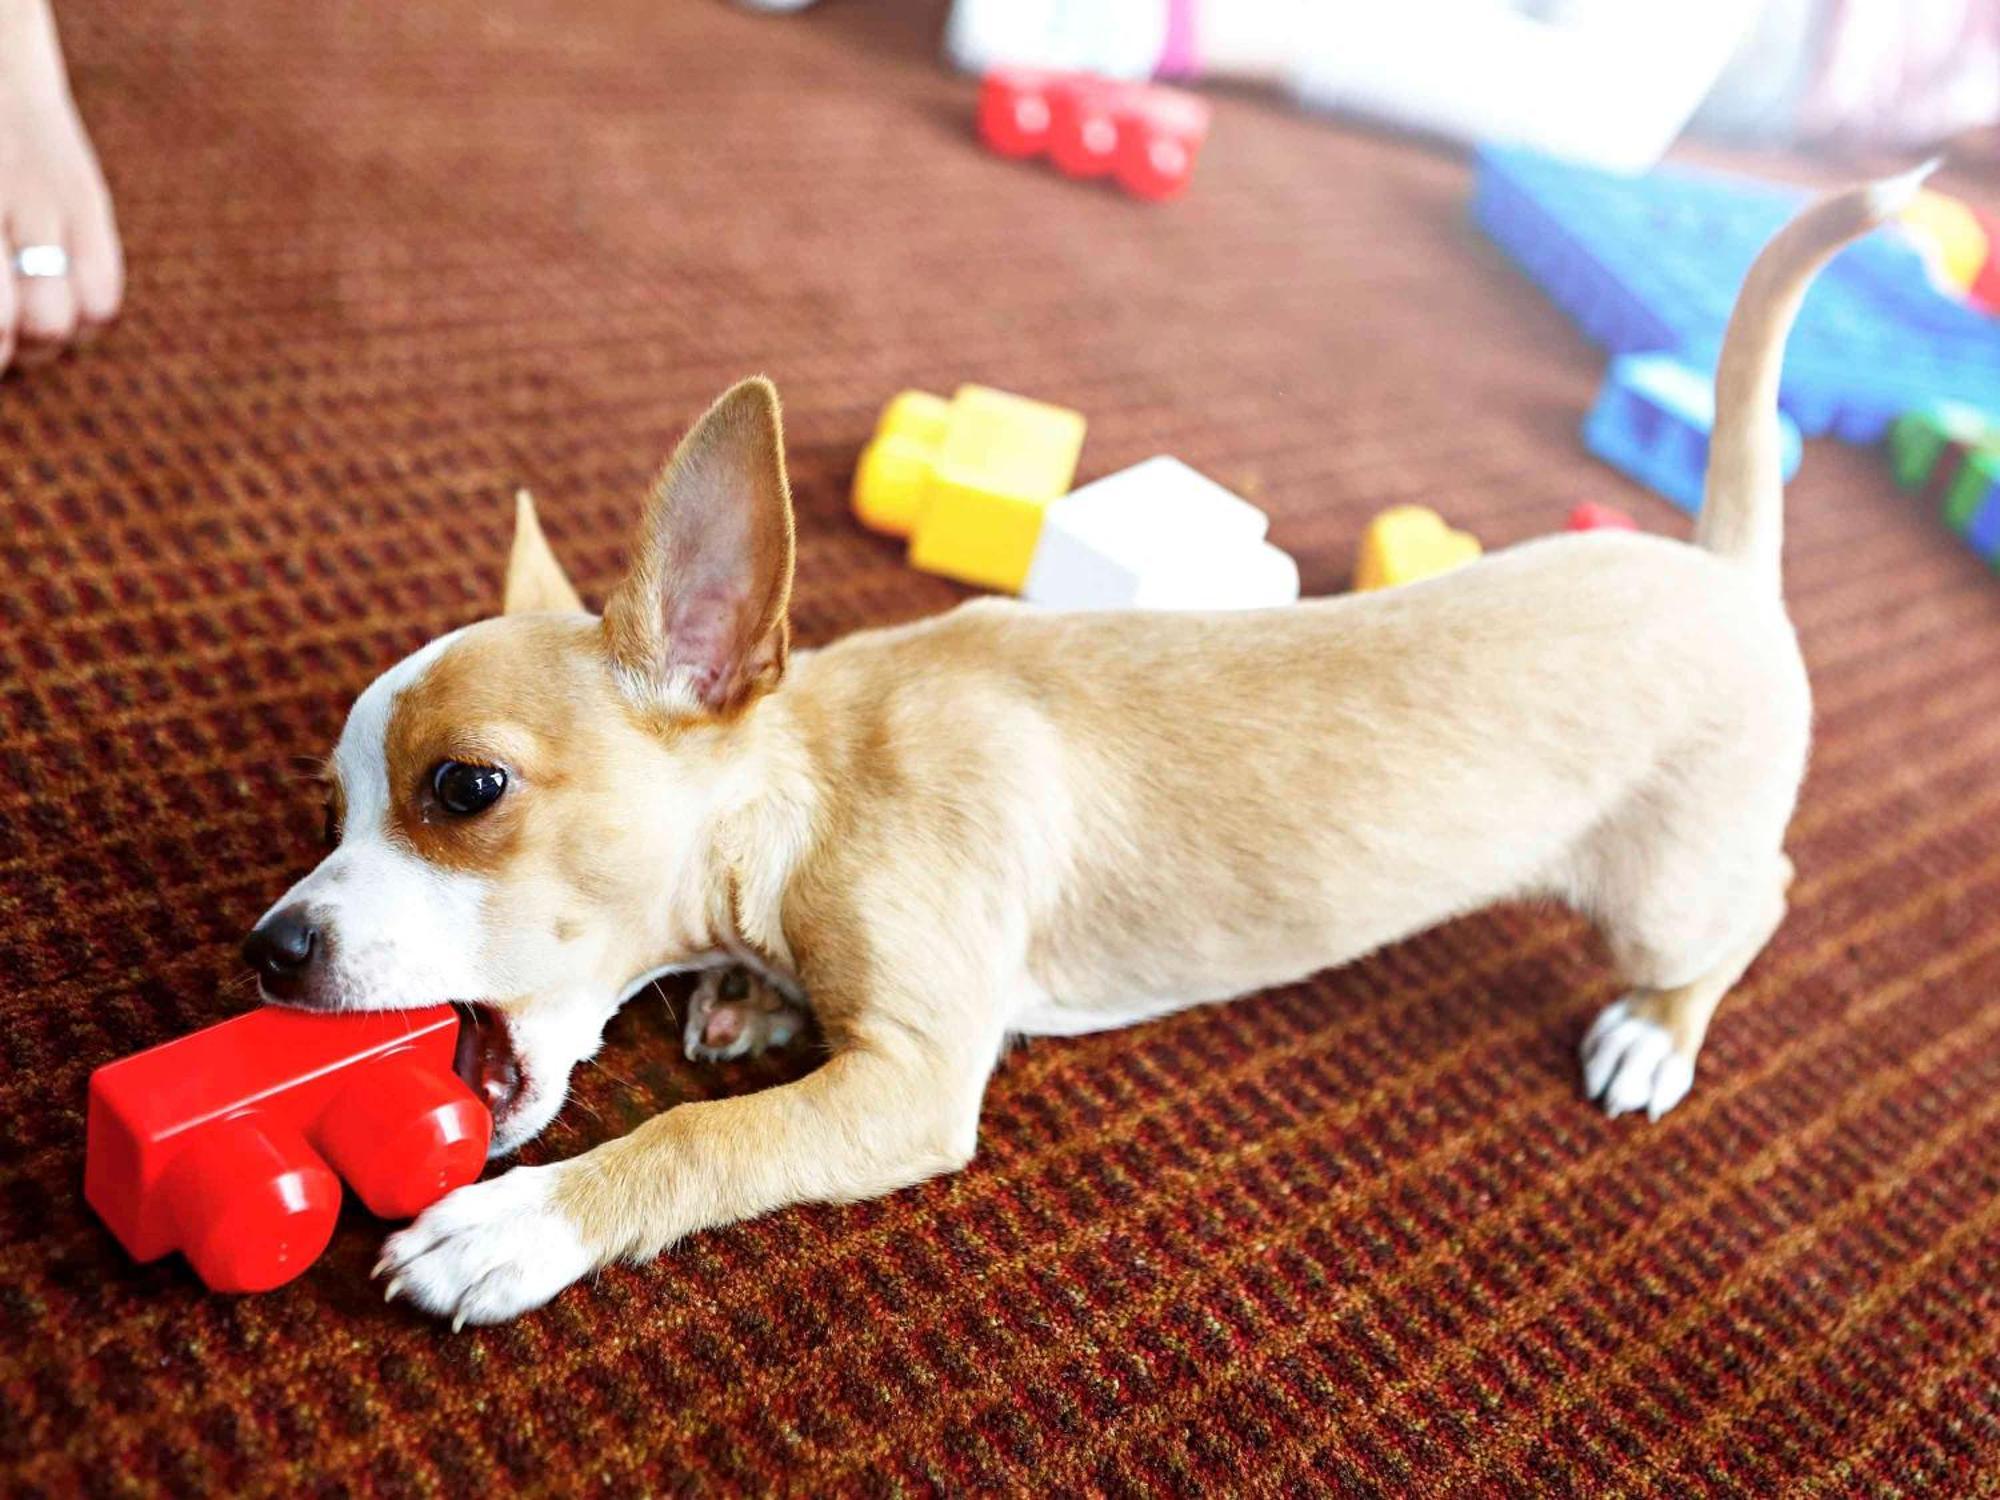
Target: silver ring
41 261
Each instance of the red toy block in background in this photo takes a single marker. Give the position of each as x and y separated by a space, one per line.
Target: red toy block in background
1984 292
1144 135
224 1144
1590 516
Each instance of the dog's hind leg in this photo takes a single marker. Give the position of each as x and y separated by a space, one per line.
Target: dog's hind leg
734 1012
1640 1053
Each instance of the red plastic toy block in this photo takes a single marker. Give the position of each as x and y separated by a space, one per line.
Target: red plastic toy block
224 1144
1144 135
1984 291
1590 516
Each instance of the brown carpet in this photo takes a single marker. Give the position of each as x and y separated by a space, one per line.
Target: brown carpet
1356 1237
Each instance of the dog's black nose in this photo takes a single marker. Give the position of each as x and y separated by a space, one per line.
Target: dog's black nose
282 949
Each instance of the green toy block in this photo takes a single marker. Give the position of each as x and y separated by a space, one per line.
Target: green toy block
1922 437
1949 455
1969 488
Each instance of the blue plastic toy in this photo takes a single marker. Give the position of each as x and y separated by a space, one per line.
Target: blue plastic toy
1983 530
1652 265
1652 420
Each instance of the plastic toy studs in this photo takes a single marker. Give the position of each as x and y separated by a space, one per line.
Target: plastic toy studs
1652 263
968 480
224 1145
1143 135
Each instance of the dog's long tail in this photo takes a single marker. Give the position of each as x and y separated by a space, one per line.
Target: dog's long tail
1742 509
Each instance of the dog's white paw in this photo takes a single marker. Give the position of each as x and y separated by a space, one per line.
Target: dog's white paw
487 1252
1630 1062
734 1013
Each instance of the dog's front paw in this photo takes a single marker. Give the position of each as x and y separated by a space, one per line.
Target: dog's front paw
488 1252
735 1013
1630 1062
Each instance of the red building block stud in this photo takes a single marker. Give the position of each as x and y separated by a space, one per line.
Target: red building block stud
1590 516
1016 109
1158 139
1145 136
1089 116
224 1145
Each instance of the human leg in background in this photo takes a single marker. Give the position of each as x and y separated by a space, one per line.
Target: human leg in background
1611 81
62 272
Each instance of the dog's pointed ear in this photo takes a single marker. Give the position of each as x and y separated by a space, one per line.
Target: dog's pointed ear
699 621
535 580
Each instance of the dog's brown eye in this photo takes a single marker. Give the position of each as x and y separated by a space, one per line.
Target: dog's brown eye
462 789
330 835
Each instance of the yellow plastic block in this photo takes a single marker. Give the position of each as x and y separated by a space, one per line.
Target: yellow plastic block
1408 542
1955 242
968 480
895 471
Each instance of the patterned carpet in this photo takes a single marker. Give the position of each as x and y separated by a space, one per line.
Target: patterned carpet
1355 1237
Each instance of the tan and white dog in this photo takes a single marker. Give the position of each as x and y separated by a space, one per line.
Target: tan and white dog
1002 821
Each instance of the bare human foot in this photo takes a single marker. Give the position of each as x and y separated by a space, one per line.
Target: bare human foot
51 194
734 1013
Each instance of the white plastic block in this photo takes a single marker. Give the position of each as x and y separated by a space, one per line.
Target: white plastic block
1256 576
1157 536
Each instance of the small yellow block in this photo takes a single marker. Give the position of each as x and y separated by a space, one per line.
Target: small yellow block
1408 542
967 480
1955 242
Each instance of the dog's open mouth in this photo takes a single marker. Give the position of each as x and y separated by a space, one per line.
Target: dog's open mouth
486 1058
